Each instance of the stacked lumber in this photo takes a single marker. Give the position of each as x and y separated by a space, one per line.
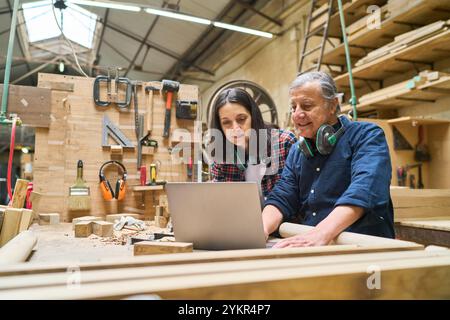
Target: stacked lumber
405 40
14 219
404 274
420 203
426 85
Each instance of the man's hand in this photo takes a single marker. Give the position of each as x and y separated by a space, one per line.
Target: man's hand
312 238
328 229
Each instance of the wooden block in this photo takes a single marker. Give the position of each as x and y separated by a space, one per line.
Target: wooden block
102 228
25 219
160 221
148 150
83 229
116 150
20 193
35 199
113 217
159 211
48 218
150 247
85 218
31 104
11 222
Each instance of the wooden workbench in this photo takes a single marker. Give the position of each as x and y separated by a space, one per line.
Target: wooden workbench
431 231
57 243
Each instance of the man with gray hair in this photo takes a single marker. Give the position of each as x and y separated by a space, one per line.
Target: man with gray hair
336 177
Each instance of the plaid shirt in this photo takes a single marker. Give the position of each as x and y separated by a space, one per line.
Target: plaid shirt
280 149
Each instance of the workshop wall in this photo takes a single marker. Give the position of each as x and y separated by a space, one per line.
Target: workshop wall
75 133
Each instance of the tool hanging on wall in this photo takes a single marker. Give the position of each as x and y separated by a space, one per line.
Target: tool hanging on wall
421 152
112 97
119 191
111 130
154 168
151 90
170 87
186 110
79 193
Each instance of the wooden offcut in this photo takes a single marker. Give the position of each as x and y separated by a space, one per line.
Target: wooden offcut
48 218
153 247
83 229
20 194
84 219
11 224
102 228
25 219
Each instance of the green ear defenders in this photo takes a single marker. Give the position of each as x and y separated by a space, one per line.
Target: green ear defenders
326 139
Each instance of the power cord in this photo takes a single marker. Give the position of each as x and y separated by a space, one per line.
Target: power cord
68 41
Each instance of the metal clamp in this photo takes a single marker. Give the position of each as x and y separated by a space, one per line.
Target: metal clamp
110 96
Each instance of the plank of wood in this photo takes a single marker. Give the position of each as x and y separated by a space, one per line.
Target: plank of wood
31 104
20 194
153 247
35 199
161 221
102 228
11 222
48 218
426 236
291 229
84 219
18 249
442 224
403 278
83 229
155 272
204 257
25 219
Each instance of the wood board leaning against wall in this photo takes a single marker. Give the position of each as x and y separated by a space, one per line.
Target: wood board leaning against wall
75 133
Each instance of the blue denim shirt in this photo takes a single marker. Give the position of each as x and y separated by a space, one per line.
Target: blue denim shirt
356 173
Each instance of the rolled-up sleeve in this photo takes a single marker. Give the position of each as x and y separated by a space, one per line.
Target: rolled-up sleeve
285 194
370 171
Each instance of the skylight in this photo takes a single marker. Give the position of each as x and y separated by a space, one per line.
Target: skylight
77 23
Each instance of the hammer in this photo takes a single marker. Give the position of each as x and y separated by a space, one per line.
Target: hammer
170 87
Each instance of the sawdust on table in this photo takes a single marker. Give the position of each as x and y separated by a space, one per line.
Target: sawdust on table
122 237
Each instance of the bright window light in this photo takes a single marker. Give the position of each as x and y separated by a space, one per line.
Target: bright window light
77 23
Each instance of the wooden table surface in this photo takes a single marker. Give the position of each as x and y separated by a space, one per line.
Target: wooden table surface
57 243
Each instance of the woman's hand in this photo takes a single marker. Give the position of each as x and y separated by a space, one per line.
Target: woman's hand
312 238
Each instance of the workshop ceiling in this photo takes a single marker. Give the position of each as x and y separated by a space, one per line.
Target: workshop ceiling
148 47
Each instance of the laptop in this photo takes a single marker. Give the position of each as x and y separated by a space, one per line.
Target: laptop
216 216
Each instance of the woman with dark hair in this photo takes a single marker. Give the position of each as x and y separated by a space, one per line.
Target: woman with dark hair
246 148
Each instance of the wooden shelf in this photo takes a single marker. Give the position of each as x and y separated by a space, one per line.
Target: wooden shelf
353 11
421 14
401 95
426 51
147 188
415 121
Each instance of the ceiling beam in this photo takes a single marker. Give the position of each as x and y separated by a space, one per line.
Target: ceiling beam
100 41
153 45
142 43
265 16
